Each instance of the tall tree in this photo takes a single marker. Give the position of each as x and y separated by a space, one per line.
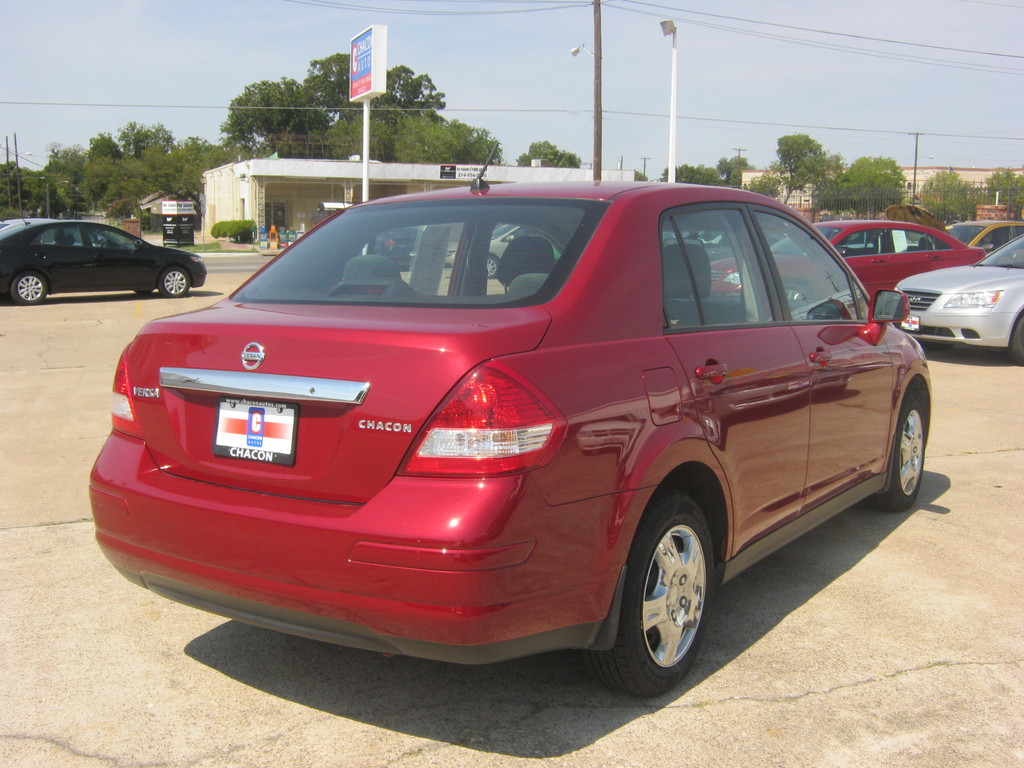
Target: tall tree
270 108
803 162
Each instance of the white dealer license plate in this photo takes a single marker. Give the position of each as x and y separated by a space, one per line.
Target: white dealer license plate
253 430
912 323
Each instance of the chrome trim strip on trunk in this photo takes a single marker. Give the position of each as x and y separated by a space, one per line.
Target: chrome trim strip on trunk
265 385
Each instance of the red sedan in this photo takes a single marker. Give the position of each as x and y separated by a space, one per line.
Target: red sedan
420 458
881 253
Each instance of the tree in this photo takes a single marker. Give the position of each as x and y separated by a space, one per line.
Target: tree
768 184
867 187
731 169
424 140
267 108
802 162
134 139
1006 187
696 174
545 150
949 197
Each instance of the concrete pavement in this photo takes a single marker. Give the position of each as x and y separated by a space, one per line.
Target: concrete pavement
877 640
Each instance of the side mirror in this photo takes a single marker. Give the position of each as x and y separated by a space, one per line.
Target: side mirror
139 244
889 307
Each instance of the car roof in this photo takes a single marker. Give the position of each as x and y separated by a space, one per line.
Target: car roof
584 190
846 223
988 223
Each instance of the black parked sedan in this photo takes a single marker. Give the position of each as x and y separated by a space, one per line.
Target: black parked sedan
77 256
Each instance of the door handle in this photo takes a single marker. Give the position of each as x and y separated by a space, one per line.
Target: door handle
713 372
821 357
932 256
877 260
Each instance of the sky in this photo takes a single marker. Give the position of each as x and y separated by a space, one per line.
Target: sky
860 76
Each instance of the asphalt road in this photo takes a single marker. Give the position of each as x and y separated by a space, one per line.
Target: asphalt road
876 640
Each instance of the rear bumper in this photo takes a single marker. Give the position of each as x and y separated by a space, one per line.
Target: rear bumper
457 570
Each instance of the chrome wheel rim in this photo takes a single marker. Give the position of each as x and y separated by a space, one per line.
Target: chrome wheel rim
674 596
30 288
174 282
911 452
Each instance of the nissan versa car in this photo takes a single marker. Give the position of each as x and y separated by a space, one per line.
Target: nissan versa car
432 462
881 253
75 256
980 306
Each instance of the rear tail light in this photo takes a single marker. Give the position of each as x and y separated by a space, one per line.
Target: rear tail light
493 424
122 412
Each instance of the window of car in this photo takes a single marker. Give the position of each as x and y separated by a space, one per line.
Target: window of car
865 242
965 232
911 241
61 234
109 238
814 286
710 271
432 253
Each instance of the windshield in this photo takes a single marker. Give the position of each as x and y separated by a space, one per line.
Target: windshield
455 253
1010 255
965 232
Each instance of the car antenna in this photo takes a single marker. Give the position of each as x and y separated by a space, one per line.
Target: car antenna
478 184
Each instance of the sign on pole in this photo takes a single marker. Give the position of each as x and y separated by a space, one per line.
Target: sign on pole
368 77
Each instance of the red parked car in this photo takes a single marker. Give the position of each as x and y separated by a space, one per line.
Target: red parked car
881 253
434 462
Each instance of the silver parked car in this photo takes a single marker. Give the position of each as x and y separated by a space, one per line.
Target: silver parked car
981 305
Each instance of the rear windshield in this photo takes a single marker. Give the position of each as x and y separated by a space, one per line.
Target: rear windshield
453 253
965 232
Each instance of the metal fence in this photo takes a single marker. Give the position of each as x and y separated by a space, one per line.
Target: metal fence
963 201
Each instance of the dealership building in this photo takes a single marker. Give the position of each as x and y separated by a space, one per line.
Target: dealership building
292 194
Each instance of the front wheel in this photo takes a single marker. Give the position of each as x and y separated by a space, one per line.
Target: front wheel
28 288
174 283
670 579
1016 349
906 465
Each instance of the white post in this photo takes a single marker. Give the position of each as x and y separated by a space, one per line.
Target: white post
366 151
669 28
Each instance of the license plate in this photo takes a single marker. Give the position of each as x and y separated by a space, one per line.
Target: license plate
912 323
253 430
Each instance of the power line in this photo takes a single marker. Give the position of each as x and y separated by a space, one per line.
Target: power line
850 35
526 110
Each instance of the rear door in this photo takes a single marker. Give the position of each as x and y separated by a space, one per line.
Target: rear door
62 253
748 373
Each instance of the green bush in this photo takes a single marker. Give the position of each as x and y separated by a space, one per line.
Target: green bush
239 230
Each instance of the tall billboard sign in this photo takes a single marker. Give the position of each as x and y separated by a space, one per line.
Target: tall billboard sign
368 62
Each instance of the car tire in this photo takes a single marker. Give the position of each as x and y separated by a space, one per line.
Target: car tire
174 283
28 288
670 580
906 464
1016 348
492 265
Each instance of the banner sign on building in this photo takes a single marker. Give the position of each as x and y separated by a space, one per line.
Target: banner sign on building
368 64
461 172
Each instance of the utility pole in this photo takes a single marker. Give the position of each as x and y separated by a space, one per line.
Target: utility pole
645 159
913 184
597 91
739 157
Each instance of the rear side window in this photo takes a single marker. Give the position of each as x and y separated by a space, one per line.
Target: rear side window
912 241
454 253
710 271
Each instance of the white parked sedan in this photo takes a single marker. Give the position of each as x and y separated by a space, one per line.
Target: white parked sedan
981 305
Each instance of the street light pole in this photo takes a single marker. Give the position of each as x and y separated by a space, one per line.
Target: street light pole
668 27
598 108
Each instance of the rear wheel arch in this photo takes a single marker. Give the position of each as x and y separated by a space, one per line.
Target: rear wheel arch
700 482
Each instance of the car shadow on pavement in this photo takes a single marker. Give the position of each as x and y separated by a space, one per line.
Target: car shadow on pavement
543 706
